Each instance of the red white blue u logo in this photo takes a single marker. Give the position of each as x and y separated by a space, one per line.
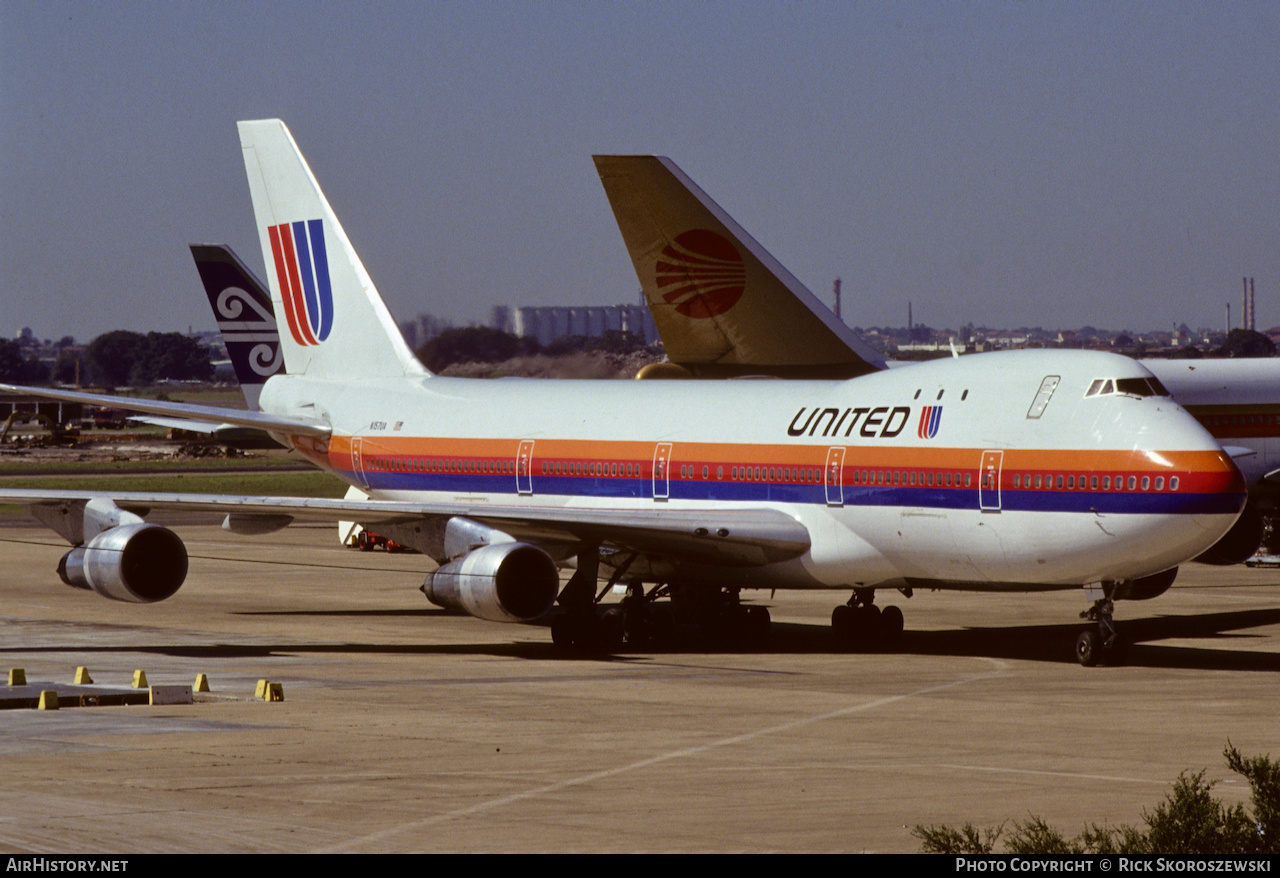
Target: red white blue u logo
930 420
303 270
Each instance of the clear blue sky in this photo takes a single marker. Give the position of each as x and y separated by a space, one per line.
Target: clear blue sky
1056 164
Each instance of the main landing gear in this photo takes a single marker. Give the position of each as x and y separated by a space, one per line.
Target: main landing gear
635 620
1100 643
861 625
641 620
721 618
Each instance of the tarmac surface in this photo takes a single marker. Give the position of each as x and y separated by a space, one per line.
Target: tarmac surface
407 729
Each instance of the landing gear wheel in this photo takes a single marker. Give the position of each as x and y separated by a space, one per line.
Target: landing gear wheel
1089 648
575 631
842 623
663 624
610 631
756 627
891 623
563 631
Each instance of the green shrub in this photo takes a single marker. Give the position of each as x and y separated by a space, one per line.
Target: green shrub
1189 821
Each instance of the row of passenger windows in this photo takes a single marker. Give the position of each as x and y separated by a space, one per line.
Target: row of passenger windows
801 475
578 468
437 465
1240 420
1090 483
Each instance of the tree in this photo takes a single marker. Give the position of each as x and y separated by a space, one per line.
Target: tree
123 357
66 369
1246 343
473 344
17 367
171 356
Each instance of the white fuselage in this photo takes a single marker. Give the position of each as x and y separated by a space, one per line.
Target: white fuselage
991 471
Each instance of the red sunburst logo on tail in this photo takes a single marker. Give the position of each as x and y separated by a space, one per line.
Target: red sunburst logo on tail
701 273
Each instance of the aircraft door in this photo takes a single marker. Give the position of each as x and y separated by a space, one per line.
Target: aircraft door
661 471
989 481
357 462
834 477
524 467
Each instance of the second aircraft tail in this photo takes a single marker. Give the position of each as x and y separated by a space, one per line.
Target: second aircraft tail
721 302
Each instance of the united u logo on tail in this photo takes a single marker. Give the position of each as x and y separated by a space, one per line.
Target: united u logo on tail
303 271
930 420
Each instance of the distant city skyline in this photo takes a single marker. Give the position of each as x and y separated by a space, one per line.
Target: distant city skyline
1053 164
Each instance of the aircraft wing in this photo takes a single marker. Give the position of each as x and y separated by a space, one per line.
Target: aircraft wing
742 538
226 434
193 426
213 414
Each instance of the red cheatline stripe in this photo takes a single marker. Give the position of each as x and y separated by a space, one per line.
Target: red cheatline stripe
295 284
286 295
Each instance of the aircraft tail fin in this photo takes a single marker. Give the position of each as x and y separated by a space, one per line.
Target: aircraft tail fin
242 307
718 298
335 325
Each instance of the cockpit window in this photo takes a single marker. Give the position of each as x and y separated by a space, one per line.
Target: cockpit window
1139 387
1101 387
1128 386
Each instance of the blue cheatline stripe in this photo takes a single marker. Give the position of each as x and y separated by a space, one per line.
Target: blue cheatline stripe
303 249
325 291
854 496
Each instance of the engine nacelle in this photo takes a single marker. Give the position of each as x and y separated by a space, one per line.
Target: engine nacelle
1240 543
502 582
1147 587
140 563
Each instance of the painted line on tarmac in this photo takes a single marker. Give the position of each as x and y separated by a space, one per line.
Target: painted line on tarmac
1001 668
995 769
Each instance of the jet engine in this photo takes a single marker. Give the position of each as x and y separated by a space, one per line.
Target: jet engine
1240 543
501 582
140 562
1147 587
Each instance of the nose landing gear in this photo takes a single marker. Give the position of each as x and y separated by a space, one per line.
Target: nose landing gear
1100 643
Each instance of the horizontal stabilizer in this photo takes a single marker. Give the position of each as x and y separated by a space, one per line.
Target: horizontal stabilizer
211 414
